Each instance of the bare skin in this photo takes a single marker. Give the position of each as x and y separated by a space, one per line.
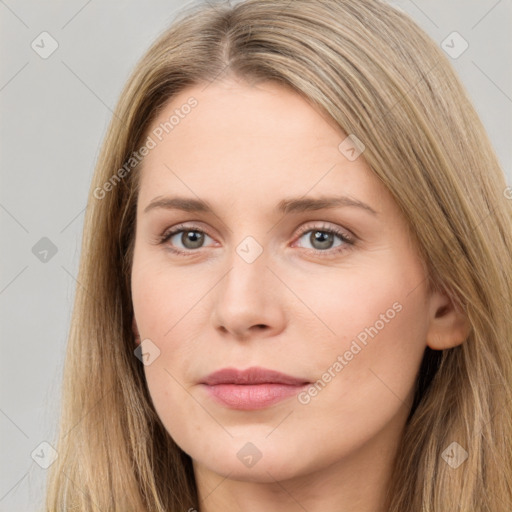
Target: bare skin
296 308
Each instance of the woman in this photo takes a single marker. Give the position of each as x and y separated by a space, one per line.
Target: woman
296 277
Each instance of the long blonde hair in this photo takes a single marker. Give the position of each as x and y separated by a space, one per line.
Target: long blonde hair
379 76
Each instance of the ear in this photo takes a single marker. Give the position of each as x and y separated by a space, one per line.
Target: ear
135 332
448 325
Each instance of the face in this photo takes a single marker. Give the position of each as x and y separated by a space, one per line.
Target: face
284 253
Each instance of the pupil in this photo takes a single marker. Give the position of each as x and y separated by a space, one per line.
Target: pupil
321 237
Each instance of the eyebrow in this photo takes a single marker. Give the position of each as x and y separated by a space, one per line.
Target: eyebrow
292 205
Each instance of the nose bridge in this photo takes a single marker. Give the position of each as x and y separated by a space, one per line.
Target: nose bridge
247 279
247 295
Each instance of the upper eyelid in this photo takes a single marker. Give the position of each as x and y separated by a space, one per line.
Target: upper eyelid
326 227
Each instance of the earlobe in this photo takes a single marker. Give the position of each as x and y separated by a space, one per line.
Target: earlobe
448 325
135 332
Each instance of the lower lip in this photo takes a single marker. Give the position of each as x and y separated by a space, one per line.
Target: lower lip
250 397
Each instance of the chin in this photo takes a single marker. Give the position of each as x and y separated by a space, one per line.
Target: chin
259 461
262 472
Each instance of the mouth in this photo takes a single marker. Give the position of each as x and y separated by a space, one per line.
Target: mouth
251 389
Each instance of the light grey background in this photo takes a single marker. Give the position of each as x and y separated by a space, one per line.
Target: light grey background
54 113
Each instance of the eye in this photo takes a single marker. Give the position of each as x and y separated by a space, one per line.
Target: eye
190 238
324 239
185 239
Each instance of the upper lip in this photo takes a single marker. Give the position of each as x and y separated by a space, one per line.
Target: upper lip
253 375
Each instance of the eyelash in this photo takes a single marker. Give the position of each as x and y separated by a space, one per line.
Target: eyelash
347 240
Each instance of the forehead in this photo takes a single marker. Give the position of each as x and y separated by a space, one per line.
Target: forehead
238 140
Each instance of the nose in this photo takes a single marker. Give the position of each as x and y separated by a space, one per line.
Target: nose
249 300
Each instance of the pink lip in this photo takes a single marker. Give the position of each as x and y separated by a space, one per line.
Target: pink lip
253 388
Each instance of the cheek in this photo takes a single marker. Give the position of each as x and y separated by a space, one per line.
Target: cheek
383 301
166 305
367 364
162 296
